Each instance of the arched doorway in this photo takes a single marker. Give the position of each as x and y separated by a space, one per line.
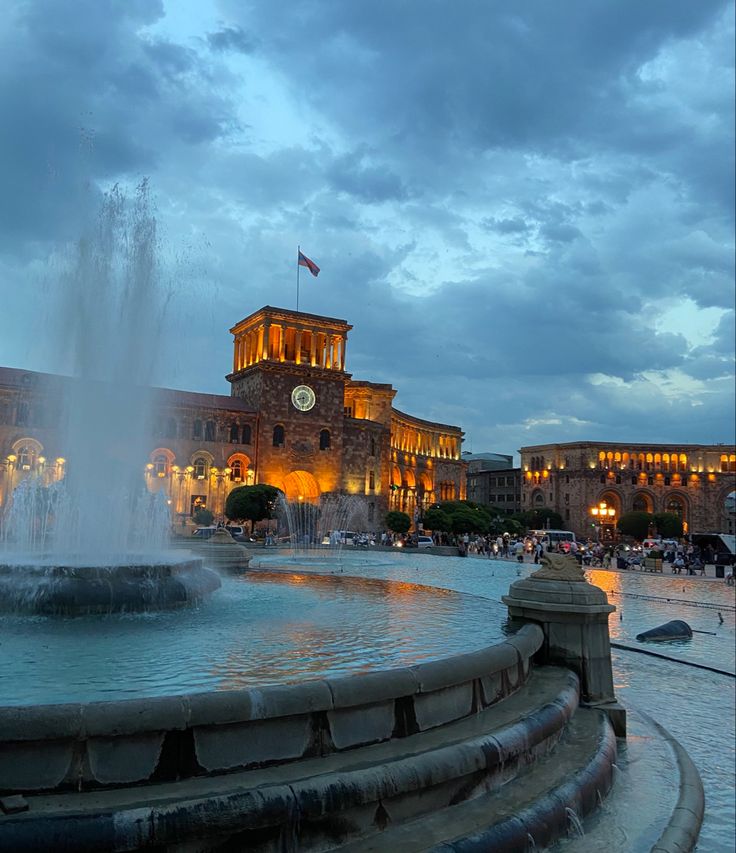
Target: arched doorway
677 505
642 502
301 486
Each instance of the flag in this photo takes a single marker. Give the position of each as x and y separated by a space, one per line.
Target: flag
310 265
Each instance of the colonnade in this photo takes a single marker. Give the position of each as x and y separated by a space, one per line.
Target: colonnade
275 342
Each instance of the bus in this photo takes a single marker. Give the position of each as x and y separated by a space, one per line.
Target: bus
552 538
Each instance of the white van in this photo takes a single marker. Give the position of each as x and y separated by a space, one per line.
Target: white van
552 538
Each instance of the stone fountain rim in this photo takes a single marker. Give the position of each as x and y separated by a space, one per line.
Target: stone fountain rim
81 720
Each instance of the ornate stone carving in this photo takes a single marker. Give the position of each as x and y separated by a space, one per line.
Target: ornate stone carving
559 567
301 450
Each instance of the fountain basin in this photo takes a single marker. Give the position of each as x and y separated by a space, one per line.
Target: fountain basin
73 590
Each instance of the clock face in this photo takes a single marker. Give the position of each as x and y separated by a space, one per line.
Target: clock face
303 398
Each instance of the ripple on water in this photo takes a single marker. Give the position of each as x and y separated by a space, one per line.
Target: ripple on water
258 629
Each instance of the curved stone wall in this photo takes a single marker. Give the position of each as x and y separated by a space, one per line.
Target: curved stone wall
87 746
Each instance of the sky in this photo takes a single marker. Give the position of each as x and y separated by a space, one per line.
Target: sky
525 210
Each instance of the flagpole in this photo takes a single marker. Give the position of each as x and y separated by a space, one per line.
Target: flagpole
298 250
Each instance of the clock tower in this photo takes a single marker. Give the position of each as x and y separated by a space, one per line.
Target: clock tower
290 366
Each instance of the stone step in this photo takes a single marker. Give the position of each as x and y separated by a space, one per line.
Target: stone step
532 811
330 798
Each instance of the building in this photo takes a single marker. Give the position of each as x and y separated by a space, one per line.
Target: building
493 481
591 484
294 419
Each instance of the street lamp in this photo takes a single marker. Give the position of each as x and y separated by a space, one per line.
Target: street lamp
602 515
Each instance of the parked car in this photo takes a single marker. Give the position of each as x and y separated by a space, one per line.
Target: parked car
204 532
237 531
424 542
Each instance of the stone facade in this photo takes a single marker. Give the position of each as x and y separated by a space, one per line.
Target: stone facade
345 439
692 480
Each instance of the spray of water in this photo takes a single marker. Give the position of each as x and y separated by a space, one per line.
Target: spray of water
106 329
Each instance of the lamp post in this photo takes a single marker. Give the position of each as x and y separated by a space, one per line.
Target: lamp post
603 515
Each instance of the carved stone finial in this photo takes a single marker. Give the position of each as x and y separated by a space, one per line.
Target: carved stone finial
559 567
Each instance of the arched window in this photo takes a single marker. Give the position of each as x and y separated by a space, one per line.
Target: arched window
200 468
26 457
324 439
640 504
675 505
159 466
170 431
236 471
246 434
539 499
197 430
278 436
209 431
234 433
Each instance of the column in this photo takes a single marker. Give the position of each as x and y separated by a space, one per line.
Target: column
343 347
313 349
265 330
298 346
282 341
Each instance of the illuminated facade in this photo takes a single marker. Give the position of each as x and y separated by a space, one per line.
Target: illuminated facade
591 484
295 419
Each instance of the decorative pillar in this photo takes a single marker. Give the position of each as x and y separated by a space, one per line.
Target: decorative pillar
282 342
313 349
298 346
574 617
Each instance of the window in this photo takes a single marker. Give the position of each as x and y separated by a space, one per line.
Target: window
371 511
373 446
634 481
492 498
348 411
236 471
501 498
278 436
603 478
246 434
197 430
159 466
324 439
200 468
371 480
234 433
209 431
26 457
21 415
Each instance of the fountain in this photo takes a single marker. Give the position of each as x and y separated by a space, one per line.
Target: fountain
96 541
380 713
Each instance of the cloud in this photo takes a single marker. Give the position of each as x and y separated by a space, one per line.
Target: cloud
504 202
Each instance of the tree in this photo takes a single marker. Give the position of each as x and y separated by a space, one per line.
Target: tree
541 518
251 503
437 519
203 517
469 520
635 524
668 524
398 522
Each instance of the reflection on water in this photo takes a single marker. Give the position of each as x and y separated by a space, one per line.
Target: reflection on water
258 629
696 706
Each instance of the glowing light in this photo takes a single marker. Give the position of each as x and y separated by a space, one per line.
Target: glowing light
12 457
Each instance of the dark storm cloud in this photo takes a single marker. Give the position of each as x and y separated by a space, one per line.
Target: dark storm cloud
231 38
503 199
89 96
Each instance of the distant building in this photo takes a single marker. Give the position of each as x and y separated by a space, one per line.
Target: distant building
295 419
591 484
493 481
